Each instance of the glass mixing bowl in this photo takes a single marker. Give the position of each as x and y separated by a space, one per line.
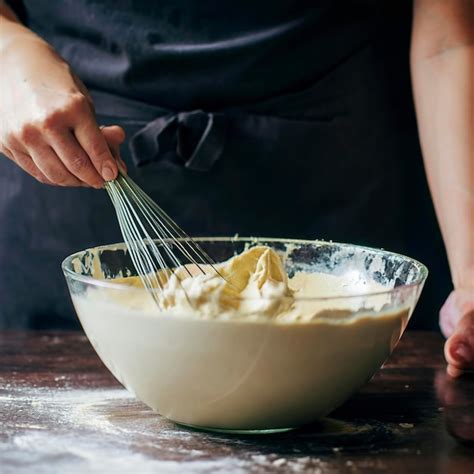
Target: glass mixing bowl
245 375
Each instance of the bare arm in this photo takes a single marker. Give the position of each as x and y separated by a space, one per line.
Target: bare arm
442 65
47 121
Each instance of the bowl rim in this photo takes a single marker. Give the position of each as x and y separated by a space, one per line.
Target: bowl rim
419 281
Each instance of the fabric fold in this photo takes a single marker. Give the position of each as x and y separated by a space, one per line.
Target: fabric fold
196 137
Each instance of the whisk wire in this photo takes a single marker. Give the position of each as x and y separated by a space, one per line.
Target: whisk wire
149 215
148 240
144 224
140 258
159 215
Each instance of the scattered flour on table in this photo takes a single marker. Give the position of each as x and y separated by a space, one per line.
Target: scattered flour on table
97 431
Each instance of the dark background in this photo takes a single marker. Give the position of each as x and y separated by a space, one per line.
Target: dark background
388 206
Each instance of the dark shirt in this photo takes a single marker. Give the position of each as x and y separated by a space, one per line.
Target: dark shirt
183 54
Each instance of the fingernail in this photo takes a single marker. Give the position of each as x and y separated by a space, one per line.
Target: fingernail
462 353
108 173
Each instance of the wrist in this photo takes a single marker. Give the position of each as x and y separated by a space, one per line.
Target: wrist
464 278
13 35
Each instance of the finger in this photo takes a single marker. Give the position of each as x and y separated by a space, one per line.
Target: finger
453 371
52 167
7 152
13 144
25 162
114 136
22 157
94 144
74 158
459 348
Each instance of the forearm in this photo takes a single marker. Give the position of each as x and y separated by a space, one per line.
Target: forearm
48 126
10 24
443 82
13 32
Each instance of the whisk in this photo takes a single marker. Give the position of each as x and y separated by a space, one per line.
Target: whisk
156 244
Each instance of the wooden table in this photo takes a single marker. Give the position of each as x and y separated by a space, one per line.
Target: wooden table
62 412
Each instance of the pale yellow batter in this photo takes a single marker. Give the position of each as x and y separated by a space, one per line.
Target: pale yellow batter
251 285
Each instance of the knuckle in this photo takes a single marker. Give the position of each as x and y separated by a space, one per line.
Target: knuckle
62 180
8 140
99 150
7 153
59 177
78 164
28 134
51 122
73 104
77 101
41 179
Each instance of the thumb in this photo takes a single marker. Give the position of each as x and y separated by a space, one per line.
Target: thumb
459 348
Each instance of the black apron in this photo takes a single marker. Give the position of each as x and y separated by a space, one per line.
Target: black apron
335 158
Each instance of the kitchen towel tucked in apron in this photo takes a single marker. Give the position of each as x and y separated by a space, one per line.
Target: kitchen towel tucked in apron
335 158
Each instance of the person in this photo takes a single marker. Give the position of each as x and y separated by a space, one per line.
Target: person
293 119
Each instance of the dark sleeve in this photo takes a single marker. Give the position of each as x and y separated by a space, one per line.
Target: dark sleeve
19 9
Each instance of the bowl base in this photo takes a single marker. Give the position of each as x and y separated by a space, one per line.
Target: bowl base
235 432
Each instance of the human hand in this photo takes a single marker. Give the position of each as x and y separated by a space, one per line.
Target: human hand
114 136
457 324
48 126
